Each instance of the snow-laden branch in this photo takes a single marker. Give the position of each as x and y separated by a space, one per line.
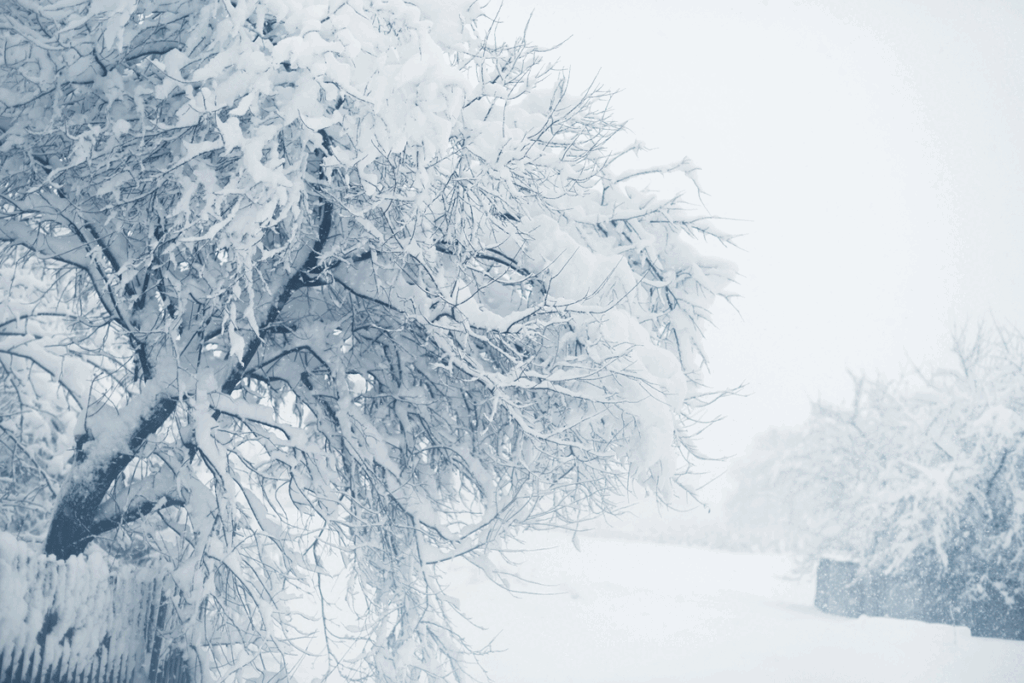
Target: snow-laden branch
127 504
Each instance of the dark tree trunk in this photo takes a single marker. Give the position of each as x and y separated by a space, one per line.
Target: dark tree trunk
96 464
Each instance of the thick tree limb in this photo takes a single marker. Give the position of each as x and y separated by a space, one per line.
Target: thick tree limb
98 461
155 492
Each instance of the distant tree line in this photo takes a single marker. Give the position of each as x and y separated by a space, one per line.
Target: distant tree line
918 476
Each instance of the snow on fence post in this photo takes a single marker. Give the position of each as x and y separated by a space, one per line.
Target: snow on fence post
84 620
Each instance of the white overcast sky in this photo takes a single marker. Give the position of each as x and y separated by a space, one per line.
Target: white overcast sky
871 152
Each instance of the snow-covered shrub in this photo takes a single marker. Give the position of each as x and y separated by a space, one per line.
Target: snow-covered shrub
918 477
333 289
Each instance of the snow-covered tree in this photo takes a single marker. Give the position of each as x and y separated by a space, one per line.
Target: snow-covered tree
302 288
922 477
35 411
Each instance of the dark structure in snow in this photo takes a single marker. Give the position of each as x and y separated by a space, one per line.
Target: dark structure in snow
924 596
87 620
836 592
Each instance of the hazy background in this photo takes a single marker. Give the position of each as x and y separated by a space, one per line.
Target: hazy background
871 153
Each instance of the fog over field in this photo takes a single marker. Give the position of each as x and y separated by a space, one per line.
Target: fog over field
620 611
868 152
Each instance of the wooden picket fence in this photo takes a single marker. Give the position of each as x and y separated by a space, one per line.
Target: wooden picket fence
86 620
842 589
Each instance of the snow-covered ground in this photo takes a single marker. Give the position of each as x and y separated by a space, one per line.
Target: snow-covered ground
632 612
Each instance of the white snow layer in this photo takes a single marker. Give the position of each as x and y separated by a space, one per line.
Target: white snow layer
633 612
